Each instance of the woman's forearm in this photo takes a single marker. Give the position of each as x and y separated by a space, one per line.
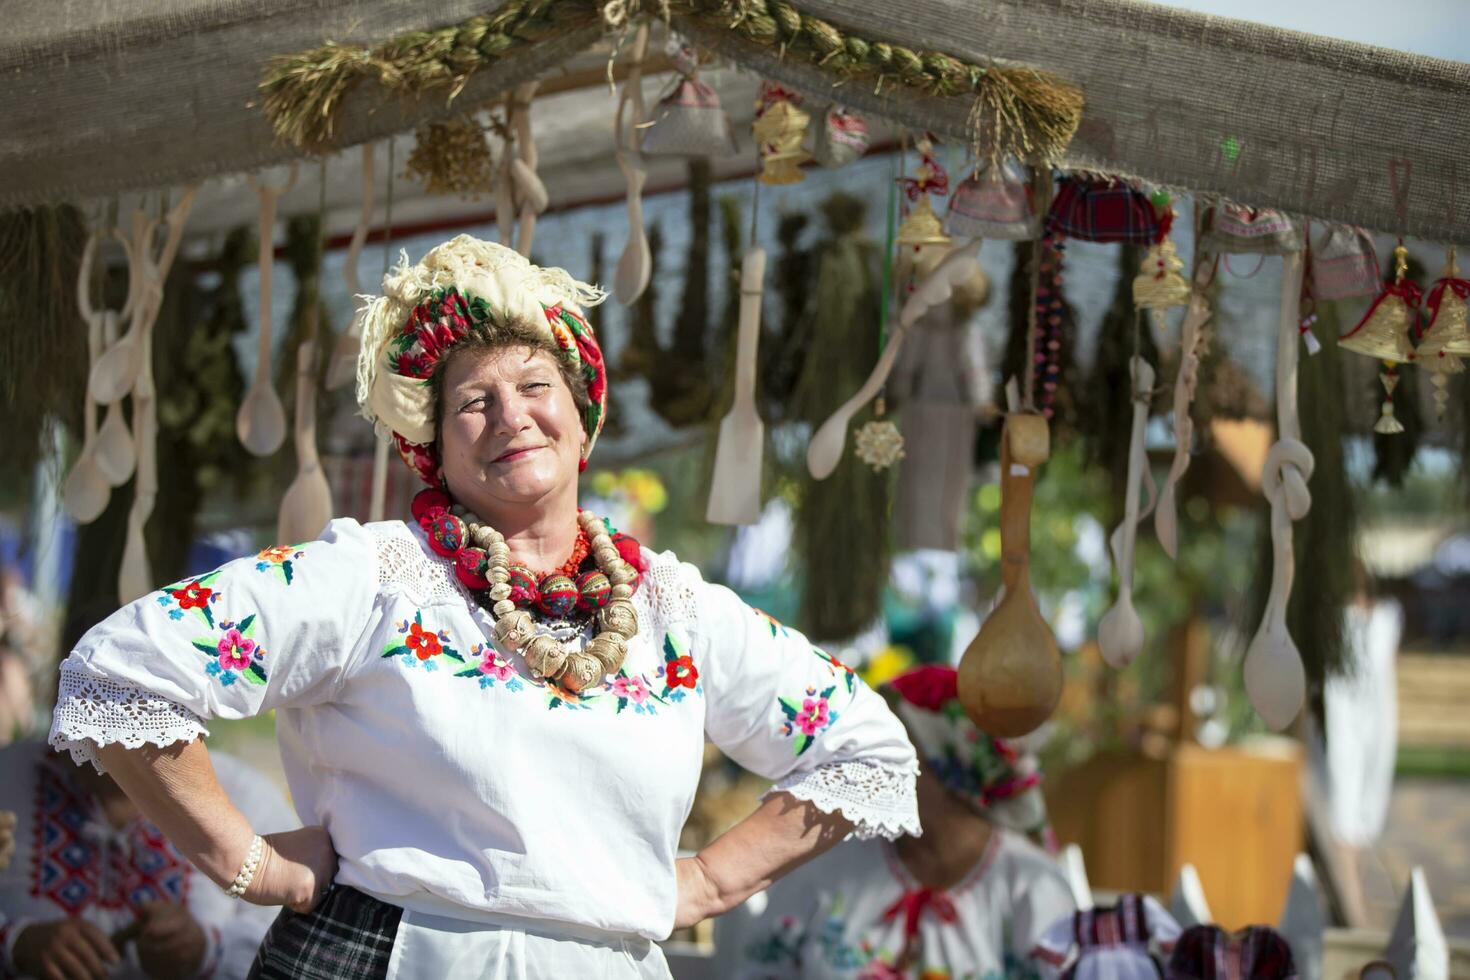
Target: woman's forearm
176 788
782 834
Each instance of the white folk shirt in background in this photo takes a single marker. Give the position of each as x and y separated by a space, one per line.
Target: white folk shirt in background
452 782
70 862
843 916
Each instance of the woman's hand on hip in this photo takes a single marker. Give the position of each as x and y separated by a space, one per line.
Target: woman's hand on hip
699 898
296 869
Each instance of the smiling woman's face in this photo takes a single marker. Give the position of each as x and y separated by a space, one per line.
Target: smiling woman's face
510 433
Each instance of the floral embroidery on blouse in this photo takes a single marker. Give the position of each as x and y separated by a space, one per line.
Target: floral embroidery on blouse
807 717
838 668
491 668
772 622
235 653
278 559
420 645
191 596
678 671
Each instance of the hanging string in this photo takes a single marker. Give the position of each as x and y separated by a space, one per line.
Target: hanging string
388 209
885 287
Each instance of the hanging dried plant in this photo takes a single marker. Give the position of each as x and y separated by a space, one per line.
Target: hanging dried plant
453 157
43 342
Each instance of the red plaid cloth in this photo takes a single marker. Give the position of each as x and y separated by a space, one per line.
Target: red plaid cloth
1104 211
1210 953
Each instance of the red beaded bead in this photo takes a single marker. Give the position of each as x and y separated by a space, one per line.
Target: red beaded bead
558 596
447 534
472 566
593 591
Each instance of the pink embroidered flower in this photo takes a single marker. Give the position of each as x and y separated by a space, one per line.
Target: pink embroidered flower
632 688
495 665
235 650
813 716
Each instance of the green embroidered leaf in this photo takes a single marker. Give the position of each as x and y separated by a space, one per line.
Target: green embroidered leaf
803 742
789 708
395 651
286 570
255 674
418 617
622 703
451 653
245 625
828 692
206 647
674 647
555 703
471 672
208 616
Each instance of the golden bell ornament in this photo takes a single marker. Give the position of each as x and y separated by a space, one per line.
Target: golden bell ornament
779 130
1159 284
1384 333
1385 329
1447 331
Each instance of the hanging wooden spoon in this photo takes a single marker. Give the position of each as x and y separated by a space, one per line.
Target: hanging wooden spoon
112 375
825 449
261 421
115 456
135 577
735 493
343 365
635 265
86 490
1275 680
1120 635
1010 677
530 192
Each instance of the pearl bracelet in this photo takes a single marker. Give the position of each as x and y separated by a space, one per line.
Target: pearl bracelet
247 870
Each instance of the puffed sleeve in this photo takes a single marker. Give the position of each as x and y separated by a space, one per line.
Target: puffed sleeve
1053 946
794 714
277 629
1040 898
1162 928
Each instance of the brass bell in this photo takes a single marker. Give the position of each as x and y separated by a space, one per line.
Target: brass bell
1448 330
1384 331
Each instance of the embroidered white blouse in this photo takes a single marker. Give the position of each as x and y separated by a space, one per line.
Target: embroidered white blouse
70 862
452 782
847 915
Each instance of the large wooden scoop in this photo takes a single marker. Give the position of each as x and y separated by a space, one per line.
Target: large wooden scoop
735 495
1010 677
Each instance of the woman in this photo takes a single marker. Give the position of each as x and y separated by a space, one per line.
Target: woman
94 884
967 900
492 718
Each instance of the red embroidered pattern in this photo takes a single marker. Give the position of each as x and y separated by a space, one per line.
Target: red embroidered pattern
75 873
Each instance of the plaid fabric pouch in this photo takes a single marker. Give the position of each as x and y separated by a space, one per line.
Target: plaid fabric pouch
1345 265
1104 211
1233 230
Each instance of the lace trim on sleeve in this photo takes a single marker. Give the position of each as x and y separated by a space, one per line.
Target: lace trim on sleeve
878 799
93 711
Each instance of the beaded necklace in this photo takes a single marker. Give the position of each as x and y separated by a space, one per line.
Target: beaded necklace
482 564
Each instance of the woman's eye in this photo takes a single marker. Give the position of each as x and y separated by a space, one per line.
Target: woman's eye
537 384
472 404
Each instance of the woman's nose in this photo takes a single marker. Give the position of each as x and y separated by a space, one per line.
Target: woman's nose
508 415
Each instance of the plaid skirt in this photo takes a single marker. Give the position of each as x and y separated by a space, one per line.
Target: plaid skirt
349 936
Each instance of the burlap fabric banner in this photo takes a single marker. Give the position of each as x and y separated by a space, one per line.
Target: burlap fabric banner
99 97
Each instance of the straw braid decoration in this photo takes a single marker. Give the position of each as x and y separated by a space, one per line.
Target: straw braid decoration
1017 111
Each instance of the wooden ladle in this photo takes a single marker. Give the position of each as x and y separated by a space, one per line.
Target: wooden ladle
1010 677
261 421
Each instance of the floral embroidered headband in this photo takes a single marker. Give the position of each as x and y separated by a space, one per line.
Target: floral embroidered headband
428 308
999 781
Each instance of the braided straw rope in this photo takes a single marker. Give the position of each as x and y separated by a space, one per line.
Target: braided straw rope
1017 111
